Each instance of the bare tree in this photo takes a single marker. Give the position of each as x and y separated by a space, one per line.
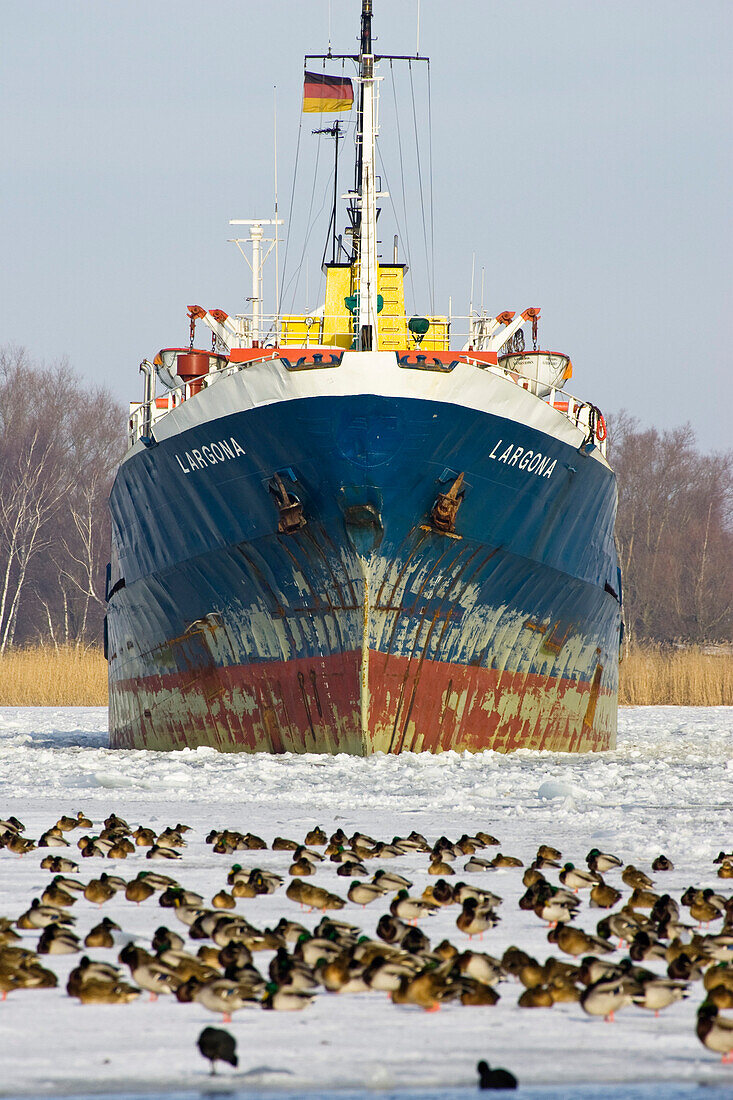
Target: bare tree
675 533
59 445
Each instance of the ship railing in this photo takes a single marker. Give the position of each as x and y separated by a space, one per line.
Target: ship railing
144 415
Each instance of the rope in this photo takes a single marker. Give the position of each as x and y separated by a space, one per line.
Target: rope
432 204
308 223
402 178
290 211
419 176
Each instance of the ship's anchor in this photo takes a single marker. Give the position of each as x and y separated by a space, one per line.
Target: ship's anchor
290 508
445 509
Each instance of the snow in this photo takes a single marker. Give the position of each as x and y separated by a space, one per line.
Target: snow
666 788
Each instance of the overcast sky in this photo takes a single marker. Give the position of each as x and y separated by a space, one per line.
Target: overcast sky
580 149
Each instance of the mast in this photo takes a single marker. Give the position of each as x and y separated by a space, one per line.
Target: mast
366 238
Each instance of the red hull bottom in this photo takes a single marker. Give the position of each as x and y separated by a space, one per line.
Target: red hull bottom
360 704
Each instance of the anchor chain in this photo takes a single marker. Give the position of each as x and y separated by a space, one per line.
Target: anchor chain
445 509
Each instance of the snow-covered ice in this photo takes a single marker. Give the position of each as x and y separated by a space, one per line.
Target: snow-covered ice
666 788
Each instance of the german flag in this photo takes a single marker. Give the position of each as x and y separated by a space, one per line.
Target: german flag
327 93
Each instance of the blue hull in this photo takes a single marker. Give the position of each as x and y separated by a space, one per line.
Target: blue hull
366 629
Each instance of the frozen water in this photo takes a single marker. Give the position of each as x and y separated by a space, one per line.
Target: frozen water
666 788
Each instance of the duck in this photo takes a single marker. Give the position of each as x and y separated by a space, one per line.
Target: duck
411 909
283 999
54 894
96 992
440 868
351 868
658 993
391 929
714 1031
315 897
501 861
99 890
725 870
538 996
121 849
39 916
301 868
475 918
483 968
53 838
440 892
604 896
608 996
661 863
101 934
223 900
426 990
17 844
89 970
462 890
282 844
160 852
57 941
494 1078
144 838
148 973
642 898
476 864
487 840
602 862
59 864
218 1046
364 893
164 938
574 941
139 889
575 879
635 878
316 838
475 993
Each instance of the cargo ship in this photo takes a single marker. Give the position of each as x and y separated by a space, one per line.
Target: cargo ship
359 530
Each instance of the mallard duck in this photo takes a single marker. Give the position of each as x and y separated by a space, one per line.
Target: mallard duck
19 845
476 864
644 948
101 934
99 890
475 993
363 893
574 941
139 890
475 918
538 996
391 929
658 993
602 862
555 911
439 868
121 849
88 970
96 992
642 899
483 968
315 897
575 879
164 937
54 894
57 941
282 999
316 838
409 909
661 863
726 869
714 1031
59 864
501 861
441 892
53 838
39 916
160 852
707 906
635 878
282 844
603 896
539 863
462 890
348 870
546 851
720 996
223 900
494 1078
719 975
607 996
148 973
144 838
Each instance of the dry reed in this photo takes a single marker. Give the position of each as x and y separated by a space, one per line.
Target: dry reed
44 676
651 675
